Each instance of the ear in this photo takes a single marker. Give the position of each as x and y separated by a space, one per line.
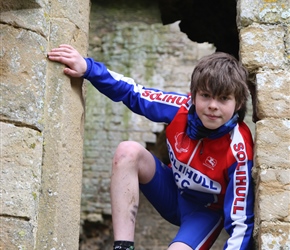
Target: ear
238 107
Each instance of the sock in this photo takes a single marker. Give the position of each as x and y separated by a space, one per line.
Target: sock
123 245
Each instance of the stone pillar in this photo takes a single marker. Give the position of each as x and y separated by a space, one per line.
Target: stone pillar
265 51
41 125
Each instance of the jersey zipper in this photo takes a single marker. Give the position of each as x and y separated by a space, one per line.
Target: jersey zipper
194 151
201 148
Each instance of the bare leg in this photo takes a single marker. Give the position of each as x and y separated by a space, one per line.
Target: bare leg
179 246
132 164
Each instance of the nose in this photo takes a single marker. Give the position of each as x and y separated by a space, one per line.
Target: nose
213 104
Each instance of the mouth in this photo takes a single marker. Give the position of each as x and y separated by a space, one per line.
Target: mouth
212 117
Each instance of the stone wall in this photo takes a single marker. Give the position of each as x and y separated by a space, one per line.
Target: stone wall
42 113
265 51
41 125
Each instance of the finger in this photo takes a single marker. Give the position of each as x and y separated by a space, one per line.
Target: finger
58 55
60 51
63 47
71 72
66 46
62 60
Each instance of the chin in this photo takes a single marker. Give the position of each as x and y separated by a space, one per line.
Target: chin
212 127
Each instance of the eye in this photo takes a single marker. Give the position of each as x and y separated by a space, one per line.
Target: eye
224 98
205 94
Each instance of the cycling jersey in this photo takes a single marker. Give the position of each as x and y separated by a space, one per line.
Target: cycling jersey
215 173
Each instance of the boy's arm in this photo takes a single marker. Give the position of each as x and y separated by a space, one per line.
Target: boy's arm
239 199
154 104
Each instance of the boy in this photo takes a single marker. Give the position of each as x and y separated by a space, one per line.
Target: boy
208 183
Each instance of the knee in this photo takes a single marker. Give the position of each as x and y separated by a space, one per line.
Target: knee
127 152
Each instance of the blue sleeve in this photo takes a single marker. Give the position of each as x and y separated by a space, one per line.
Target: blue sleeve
238 206
156 105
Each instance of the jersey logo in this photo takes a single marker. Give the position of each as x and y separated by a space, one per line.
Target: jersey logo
181 143
169 98
210 162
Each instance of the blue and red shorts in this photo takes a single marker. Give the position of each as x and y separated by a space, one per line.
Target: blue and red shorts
199 226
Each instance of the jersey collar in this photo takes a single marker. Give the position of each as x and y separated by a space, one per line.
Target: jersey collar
196 131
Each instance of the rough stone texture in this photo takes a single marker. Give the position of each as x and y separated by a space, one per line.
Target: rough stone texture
264 48
21 159
16 234
74 12
31 15
20 4
23 77
258 51
273 195
41 122
274 236
41 114
273 134
62 160
263 11
273 97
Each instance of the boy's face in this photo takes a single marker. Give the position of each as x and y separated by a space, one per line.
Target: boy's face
214 111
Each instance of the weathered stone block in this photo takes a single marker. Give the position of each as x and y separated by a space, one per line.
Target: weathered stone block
16 234
258 51
273 144
16 4
59 211
64 31
34 102
273 197
21 158
23 77
270 11
274 236
29 15
273 94
75 12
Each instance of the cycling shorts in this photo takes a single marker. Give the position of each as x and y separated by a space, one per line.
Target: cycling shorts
199 226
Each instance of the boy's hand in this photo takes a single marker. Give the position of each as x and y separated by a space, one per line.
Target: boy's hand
67 55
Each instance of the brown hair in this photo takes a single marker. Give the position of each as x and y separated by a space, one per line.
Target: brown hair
221 74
